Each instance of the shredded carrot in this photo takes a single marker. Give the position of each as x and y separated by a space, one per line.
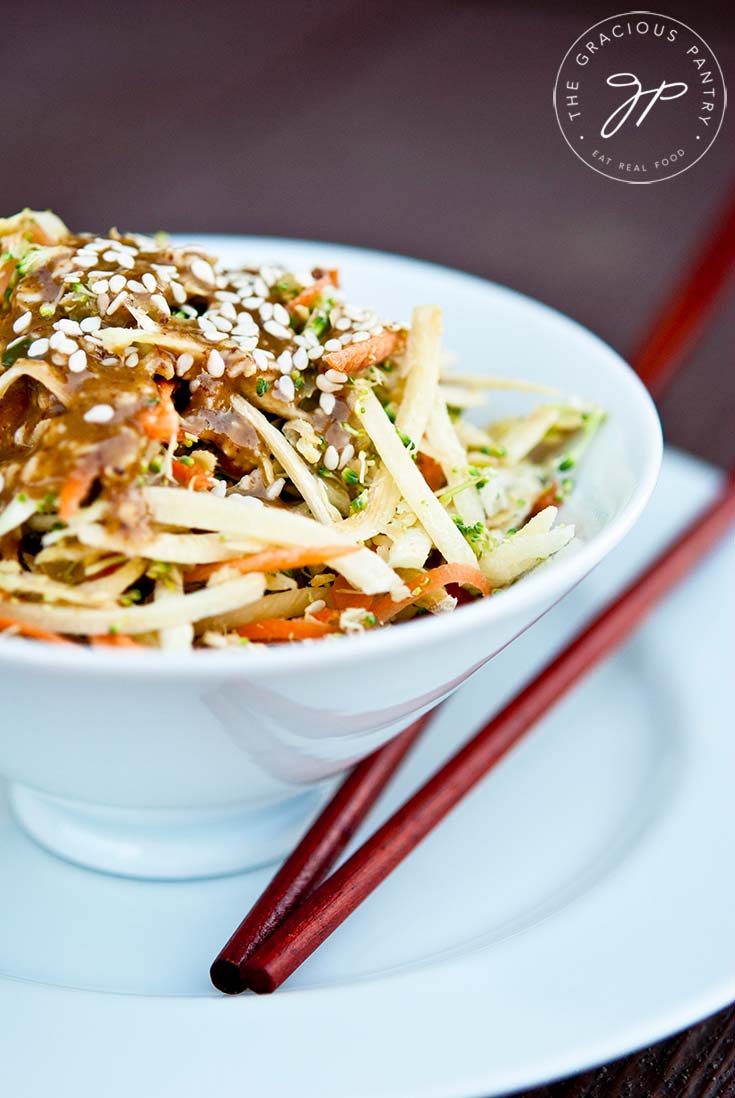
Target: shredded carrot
434 580
74 490
310 293
114 640
273 560
284 629
191 476
34 631
358 356
458 573
344 597
548 498
431 471
161 420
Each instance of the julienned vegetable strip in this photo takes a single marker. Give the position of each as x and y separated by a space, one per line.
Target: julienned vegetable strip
273 560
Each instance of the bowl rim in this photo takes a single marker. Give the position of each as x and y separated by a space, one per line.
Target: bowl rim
540 586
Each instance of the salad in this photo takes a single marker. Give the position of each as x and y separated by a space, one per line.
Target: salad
197 456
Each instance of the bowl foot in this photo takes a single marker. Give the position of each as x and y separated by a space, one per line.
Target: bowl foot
164 844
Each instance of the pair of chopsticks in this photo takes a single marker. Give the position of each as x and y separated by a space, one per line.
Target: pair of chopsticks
296 913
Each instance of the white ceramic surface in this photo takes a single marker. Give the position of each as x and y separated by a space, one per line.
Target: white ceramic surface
576 906
172 765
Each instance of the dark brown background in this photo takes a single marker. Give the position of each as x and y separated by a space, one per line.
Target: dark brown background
424 128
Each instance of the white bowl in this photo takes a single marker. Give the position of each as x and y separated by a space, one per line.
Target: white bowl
167 765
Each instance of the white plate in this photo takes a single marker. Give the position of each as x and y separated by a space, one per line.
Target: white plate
573 908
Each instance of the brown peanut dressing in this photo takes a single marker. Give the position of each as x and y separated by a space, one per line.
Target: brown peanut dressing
97 425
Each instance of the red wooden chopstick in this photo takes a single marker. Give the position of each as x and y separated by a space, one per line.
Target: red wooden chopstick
333 901
688 306
316 853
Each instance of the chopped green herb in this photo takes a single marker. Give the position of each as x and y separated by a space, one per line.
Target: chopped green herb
358 504
22 497
261 386
494 451
323 471
48 504
567 463
349 476
186 459
47 309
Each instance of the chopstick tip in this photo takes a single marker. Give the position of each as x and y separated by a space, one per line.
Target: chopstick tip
225 976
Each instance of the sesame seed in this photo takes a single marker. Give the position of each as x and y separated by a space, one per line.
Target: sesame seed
22 322
213 335
110 360
347 455
100 287
316 606
131 359
111 256
90 323
333 345
327 402
252 302
60 342
246 343
315 352
183 364
286 386
331 458
136 287
203 272
194 385
266 310
126 261
117 283
300 359
179 293
78 361
82 260
335 376
149 282
148 323
99 413
311 339
324 385
117 302
284 362
160 302
215 364
343 324
281 315
70 327
272 327
260 288
360 337
261 358
222 324
227 309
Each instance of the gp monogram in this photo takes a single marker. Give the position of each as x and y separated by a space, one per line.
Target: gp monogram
640 97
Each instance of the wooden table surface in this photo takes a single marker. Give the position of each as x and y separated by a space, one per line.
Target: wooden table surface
425 128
